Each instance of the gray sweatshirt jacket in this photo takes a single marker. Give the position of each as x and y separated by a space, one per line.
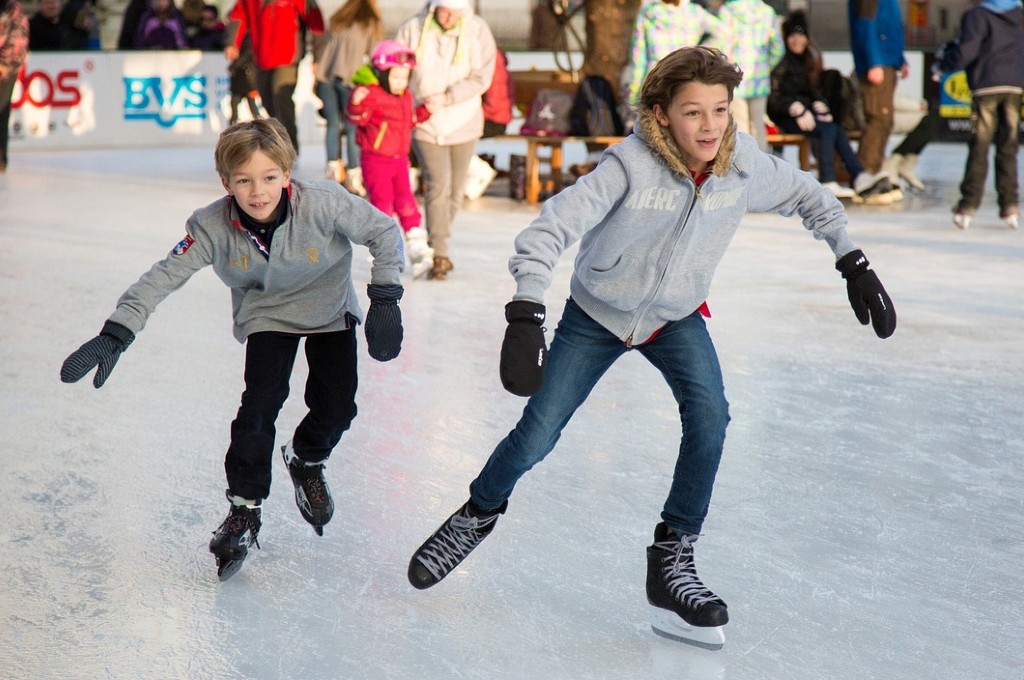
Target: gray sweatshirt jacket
649 239
305 286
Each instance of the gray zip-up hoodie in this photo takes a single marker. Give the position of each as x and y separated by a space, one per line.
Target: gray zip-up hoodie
304 286
650 240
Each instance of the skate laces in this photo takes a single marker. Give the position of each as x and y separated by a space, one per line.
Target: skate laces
680 572
312 482
239 520
460 535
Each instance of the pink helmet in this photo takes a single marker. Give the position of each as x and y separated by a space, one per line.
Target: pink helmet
390 53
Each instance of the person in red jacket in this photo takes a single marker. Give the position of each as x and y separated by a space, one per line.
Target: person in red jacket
383 111
497 100
277 30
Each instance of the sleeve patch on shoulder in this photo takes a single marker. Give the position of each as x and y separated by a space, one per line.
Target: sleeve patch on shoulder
183 245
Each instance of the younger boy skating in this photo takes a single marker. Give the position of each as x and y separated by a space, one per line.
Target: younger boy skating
284 248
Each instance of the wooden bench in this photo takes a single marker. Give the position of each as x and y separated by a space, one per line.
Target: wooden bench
548 150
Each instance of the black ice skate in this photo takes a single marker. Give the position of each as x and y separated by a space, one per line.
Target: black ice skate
451 543
683 608
231 541
311 492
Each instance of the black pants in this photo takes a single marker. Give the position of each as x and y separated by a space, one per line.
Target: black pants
330 397
277 90
6 91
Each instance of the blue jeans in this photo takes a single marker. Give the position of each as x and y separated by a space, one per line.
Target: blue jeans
995 118
581 351
335 96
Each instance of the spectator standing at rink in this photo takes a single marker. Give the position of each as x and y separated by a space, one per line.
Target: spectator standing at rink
278 34
210 34
876 40
990 49
130 23
455 55
50 28
161 27
755 45
382 110
797 106
498 99
352 32
663 26
13 54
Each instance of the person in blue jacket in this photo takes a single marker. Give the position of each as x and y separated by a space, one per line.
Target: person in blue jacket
653 220
876 40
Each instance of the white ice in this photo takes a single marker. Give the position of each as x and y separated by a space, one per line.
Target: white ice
866 523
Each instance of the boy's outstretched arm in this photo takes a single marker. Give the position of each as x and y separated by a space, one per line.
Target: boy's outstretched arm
868 298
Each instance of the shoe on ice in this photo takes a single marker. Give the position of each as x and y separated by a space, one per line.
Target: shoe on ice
683 607
442 265
311 492
961 218
1012 219
839 191
451 543
421 255
231 541
867 184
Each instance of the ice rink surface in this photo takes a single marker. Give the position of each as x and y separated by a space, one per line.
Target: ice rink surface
867 520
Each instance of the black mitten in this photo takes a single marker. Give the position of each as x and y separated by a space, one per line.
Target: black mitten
523 352
103 351
869 300
384 321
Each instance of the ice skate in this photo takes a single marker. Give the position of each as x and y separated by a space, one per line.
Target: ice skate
451 543
683 609
961 218
421 255
311 492
231 541
1012 219
875 189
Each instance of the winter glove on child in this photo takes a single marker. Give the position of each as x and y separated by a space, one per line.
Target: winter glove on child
867 297
103 351
384 321
523 352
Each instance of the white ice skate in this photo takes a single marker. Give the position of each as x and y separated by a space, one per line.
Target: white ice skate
670 625
421 255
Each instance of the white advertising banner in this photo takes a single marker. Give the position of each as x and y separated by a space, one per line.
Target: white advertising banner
113 99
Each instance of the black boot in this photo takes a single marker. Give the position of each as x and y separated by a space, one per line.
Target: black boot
311 492
451 544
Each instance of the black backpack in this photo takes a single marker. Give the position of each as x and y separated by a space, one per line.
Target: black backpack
595 113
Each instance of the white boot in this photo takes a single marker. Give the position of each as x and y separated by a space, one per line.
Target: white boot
354 182
908 171
892 166
480 175
421 255
334 168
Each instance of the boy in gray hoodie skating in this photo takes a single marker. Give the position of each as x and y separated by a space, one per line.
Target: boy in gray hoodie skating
653 220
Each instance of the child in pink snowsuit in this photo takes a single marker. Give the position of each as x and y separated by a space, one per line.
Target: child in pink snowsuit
384 113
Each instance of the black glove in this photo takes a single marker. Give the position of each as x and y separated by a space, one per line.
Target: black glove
867 297
523 352
104 350
384 321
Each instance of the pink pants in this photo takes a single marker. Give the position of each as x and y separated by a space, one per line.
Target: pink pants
387 184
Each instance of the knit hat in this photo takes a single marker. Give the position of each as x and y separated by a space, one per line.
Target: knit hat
451 4
796 22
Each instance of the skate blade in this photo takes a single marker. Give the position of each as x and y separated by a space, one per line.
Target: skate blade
228 568
670 625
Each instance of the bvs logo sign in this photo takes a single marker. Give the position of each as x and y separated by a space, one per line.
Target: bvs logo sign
165 101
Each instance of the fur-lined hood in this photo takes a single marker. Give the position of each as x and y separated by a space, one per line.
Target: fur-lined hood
657 137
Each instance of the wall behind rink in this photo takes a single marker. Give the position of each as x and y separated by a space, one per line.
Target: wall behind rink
110 99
